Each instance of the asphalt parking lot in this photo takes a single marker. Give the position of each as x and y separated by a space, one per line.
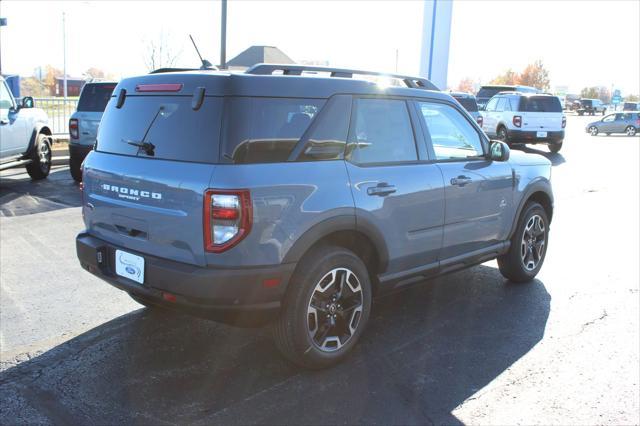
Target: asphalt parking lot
467 348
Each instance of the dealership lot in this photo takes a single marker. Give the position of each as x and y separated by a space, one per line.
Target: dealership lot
466 348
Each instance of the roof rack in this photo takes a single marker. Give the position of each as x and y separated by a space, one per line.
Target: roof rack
163 70
288 69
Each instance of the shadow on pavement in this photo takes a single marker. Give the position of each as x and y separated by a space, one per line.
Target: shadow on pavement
556 159
19 195
426 351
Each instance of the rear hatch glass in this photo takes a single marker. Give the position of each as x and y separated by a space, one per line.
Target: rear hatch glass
540 104
94 97
468 103
162 127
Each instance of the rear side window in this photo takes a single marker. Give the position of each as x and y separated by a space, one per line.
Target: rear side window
265 130
540 104
168 123
94 97
381 132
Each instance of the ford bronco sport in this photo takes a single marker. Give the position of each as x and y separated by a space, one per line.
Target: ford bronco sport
297 199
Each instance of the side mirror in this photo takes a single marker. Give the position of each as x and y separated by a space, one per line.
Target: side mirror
499 151
26 102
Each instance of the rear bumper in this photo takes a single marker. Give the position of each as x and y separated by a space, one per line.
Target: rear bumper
202 291
79 151
526 136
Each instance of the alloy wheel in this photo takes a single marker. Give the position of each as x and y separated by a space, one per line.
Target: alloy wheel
631 131
533 242
335 309
44 156
593 130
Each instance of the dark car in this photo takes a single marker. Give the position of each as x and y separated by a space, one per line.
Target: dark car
631 106
486 92
591 107
255 197
468 102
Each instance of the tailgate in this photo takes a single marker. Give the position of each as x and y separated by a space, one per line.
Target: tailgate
542 121
146 205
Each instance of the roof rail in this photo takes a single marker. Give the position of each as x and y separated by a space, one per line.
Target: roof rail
288 69
163 70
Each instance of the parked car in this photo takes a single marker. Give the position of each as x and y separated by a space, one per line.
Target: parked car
295 199
631 106
488 91
84 122
620 122
468 102
591 106
25 137
514 117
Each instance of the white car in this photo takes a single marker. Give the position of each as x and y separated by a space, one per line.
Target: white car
529 118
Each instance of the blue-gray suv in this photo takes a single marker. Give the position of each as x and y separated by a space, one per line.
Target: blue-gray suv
273 195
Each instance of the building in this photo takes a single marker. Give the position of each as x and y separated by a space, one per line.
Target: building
74 85
257 55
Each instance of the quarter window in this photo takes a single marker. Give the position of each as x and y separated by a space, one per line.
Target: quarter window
491 106
452 136
381 133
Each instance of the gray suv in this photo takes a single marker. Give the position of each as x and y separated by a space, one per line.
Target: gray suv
274 196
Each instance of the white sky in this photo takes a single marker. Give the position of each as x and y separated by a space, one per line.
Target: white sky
581 42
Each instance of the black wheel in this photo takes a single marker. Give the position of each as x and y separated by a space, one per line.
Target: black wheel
74 166
580 113
40 158
555 147
502 134
528 245
608 134
630 131
326 308
593 130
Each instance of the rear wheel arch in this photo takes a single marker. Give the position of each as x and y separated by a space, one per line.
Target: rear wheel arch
539 193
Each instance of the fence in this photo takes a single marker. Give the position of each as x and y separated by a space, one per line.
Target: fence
59 112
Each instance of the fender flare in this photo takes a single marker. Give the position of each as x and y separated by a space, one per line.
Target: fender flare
37 129
337 224
539 185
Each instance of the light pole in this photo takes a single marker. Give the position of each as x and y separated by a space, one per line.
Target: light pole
223 35
64 57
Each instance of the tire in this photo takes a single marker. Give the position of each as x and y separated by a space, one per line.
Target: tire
555 147
74 166
40 165
593 130
502 135
580 113
531 237
315 337
608 134
630 131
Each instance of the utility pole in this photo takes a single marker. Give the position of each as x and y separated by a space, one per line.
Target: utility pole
64 56
396 61
223 35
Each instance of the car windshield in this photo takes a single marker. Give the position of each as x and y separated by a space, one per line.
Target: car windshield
94 97
540 104
468 103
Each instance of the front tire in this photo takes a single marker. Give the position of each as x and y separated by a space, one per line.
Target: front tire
326 308
630 131
555 147
593 130
528 245
40 165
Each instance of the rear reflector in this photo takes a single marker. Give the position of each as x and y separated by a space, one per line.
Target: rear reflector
166 87
271 282
169 297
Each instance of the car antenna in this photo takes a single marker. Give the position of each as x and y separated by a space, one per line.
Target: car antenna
206 65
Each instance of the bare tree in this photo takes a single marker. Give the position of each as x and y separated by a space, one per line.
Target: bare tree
159 54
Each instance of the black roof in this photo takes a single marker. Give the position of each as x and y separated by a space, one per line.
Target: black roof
219 83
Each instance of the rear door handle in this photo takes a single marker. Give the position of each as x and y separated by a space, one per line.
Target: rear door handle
460 180
382 189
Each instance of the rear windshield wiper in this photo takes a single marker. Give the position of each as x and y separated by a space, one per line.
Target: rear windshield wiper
147 147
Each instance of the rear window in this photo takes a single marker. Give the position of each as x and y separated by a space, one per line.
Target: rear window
174 130
540 104
265 130
468 103
585 102
94 97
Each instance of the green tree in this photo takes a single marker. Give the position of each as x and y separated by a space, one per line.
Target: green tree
632 98
589 93
535 75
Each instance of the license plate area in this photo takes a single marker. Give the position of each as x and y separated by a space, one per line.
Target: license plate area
130 266
541 134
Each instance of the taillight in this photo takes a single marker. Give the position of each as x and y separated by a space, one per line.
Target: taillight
517 121
73 128
479 120
564 122
228 216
